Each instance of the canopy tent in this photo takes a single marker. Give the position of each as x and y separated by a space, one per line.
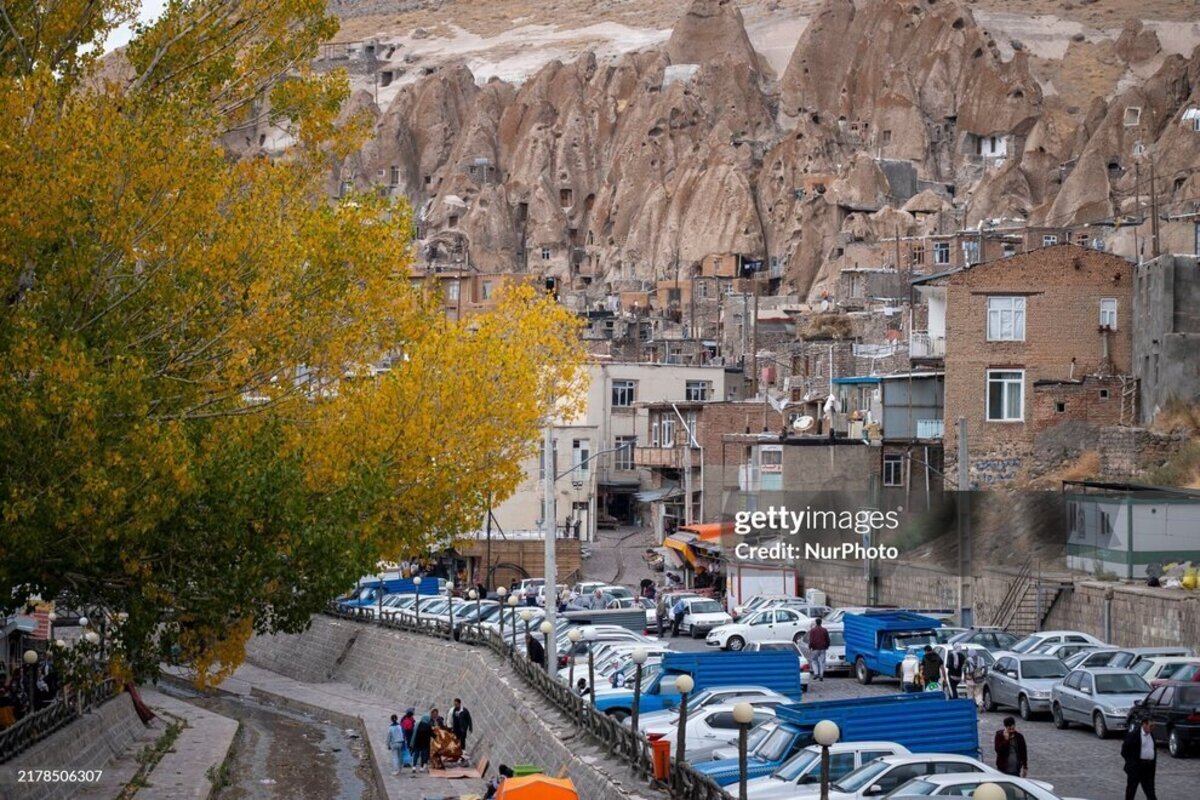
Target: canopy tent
537 787
709 531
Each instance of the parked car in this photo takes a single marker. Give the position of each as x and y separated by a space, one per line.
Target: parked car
806 608
1096 657
804 769
992 639
835 656
1129 657
660 721
1157 671
1022 682
885 774
1062 650
1035 640
766 624
712 728
1187 673
786 645
702 615
595 636
944 634
1175 709
758 601
1100 697
960 785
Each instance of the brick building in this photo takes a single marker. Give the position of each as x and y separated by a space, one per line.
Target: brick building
1031 342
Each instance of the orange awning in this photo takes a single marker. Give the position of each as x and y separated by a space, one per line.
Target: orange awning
681 547
537 787
709 531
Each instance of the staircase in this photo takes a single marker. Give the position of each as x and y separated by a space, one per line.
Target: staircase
1028 601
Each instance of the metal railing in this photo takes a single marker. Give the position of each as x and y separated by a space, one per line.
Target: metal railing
621 742
921 344
65 709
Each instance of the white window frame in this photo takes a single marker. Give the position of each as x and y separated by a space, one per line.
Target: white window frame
626 386
1007 383
1108 313
998 308
941 253
893 469
624 455
667 431
581 451
485 290
1049 239
545 252
452 290
697 391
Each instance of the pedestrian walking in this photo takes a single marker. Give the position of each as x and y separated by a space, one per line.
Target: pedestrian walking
1012 757
910 667
660 613
531 593
974 674
460 722
931 666
677 612
396 744
818 647
1141 759
421 739
956 662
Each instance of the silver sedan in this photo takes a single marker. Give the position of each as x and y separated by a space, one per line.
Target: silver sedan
1100 697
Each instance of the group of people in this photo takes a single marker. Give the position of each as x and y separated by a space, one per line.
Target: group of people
961 668
428 741
15 699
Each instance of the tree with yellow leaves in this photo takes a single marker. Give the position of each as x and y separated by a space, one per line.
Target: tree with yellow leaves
188 431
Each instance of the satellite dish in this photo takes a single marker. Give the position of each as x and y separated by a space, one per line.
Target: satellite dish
803 423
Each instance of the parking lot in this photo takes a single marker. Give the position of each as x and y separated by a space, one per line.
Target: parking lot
1075 761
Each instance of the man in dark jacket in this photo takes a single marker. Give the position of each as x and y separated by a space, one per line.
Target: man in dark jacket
818 647
956 662
931 666
460 722
537 654
1012 757
1140 756
421 739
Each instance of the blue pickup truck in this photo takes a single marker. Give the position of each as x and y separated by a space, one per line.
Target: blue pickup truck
775 669
368 590
923 722
877 641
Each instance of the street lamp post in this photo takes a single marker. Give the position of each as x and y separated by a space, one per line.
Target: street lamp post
639 658
826 734
417 584
31 659
474 595
450 600
379 596
512 604
526 615
989 791
684 684
590 635
547 631
573 636
743 715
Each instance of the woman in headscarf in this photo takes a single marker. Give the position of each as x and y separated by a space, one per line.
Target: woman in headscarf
446 748
421 740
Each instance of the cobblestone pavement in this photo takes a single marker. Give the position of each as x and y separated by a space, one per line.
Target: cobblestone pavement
1074 760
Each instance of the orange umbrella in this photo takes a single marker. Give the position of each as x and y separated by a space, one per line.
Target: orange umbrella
537 787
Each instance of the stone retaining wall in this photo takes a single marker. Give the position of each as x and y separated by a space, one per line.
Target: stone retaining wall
91 742
512 724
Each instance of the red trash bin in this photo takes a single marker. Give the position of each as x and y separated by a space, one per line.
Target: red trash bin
660 750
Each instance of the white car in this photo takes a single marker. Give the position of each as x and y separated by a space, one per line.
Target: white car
787 646
759 601
701 615
713 727
1156 670
965 785
804 768
661 721
768 624
885 774
1035 640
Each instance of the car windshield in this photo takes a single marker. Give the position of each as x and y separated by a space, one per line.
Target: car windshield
1185 672
1043 668
907 640
1143 666
1188 695
755 737
1121 683
861 777
914 788
706 607
837 639
776 745
1027 644
799 764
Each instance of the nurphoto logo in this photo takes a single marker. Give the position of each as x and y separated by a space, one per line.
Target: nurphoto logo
815 527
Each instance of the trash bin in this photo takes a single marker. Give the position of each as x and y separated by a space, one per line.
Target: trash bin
521 770
660 751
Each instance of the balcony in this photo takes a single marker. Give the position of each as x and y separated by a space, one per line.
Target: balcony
930 428
662 457
921 344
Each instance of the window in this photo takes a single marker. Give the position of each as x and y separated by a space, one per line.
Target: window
1133 115
697 391
941 252
1006 319
545 252
486 290
970 249
667 430
887 137
579 455
1009 250
624 459
893 470
1060 407
654 433
623 393
1108 313
918 253
452 291
1049 240
395 176
1005 395
1104 394
771 459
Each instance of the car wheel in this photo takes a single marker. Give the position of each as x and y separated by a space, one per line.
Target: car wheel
695 634
1023 708
988 705
735 643
1099 726
1175 744
861 671
798 638
1060 721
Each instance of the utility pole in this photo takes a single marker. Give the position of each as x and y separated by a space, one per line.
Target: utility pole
550 528
687 467
754 335
487 581
1137 206
1154 249
965 591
